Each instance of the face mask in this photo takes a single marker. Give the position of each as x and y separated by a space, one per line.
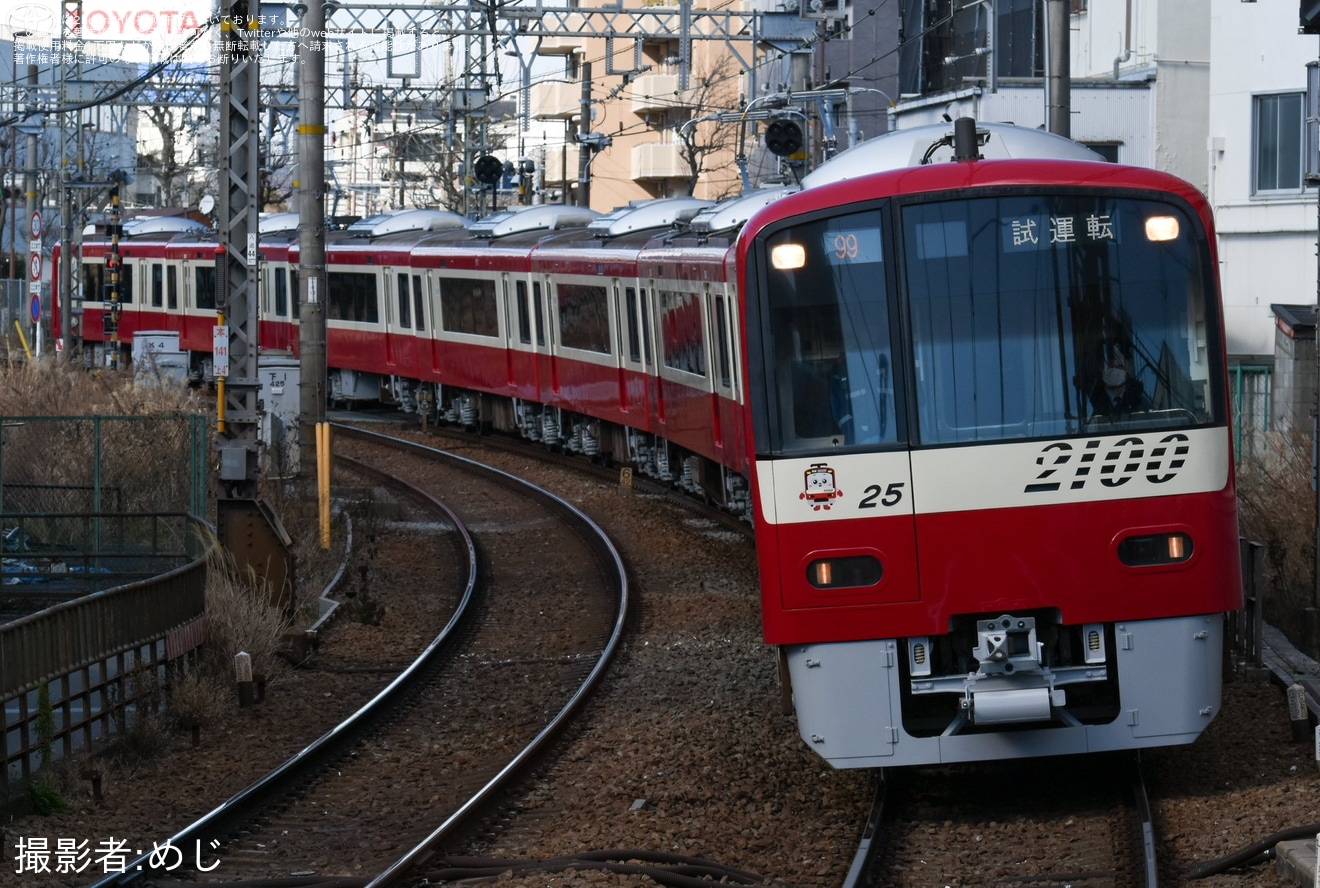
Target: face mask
1115 376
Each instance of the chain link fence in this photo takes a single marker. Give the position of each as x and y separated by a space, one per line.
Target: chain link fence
15 305
99 499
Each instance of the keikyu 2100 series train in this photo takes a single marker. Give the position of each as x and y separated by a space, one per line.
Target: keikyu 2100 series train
968 382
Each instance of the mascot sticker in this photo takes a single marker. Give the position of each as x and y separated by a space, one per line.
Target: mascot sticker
818 486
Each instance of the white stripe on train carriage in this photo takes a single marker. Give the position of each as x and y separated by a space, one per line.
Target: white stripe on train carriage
995 476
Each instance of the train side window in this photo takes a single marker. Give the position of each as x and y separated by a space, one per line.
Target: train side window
539 307
93 281
683 337
352 297
293 292
405 302
171 287
634 331
281 287
419 306
584 317
204 280
126 284
157 285
469 305
524 317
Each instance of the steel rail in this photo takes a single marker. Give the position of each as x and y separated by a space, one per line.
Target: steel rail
317 754
395 873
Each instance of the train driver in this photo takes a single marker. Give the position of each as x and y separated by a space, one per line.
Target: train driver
1118 390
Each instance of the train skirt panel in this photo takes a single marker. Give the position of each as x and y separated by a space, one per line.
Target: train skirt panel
857 702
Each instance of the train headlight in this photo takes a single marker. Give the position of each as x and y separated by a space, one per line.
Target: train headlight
1153 549
788 257
1162 228
844 572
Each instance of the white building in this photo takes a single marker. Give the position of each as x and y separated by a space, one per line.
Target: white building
1266 219
1213 92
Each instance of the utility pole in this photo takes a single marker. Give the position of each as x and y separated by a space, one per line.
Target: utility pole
71 44
1311 170
311 235
30 186
245 525
584 152
237 255
1058 98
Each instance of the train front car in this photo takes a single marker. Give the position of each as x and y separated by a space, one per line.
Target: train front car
992 467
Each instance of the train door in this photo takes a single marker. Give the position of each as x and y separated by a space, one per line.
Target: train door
157 286
419 341
546 372
434 316
390 321
635 349
173 317
131 274
655 397
510 333
523 348
722 360
283 309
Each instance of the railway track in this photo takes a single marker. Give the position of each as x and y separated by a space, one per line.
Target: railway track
542 611
457 439
1080 820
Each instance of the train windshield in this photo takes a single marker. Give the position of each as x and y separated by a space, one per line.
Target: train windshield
829 301
1047 315
1030 316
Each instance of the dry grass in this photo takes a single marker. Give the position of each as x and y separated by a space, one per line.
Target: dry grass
49 387
198 698
240 619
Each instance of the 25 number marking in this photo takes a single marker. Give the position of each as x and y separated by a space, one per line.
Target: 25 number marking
887 496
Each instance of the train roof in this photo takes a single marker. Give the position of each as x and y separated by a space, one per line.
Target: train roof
154 226
933 143
647 216
278 223
539 217
400 221
732 213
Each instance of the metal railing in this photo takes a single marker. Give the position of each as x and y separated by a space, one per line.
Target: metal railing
73 674
103 564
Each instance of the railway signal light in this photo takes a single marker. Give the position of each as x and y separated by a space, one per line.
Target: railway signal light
783 137
488 169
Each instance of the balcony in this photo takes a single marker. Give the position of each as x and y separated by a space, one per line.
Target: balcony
658 92
556 101
560 46
659 160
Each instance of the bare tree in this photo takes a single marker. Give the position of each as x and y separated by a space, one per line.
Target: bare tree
706 141
171 103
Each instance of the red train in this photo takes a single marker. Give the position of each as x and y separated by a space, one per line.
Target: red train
975 406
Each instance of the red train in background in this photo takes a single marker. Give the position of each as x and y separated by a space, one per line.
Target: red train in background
969 384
